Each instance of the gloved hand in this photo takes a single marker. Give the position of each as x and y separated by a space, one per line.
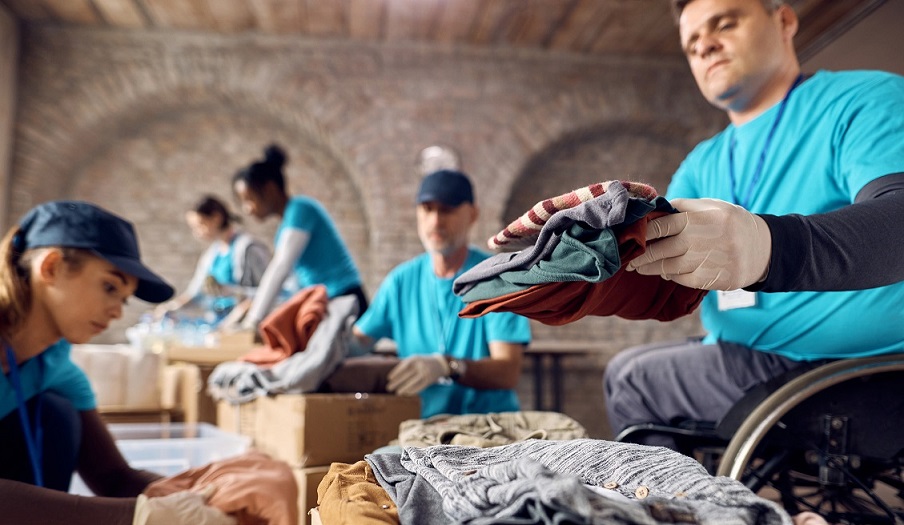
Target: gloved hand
711 245
416 373
180 508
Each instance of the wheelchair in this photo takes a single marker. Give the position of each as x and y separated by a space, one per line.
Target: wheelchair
829 440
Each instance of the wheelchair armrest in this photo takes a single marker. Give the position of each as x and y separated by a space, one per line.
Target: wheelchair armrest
703 430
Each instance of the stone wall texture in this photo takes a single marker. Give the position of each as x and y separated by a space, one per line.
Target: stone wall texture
144 123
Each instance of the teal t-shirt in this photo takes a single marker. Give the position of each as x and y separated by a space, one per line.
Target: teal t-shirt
326 259
52 370
419 311
222 268
839 131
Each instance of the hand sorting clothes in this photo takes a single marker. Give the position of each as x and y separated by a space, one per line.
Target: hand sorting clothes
252 487
580 245
181 507
306 340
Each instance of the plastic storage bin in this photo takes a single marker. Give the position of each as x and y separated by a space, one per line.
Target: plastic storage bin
169 449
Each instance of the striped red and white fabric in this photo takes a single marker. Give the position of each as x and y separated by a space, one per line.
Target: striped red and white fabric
521 231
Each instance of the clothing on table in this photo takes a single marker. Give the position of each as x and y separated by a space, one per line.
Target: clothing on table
419 311
253 487
522 230
349 495
240 382
488 430
839 132
289 327
415 499
629 295
546 480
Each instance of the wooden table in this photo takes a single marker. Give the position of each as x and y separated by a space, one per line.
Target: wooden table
542 353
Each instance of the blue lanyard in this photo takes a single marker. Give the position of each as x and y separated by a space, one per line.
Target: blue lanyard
762 160
33 442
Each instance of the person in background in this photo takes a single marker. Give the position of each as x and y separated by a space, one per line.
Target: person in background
307 241
230 267
803 193
68 269
458 366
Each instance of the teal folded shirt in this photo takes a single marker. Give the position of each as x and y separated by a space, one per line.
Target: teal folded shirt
582 254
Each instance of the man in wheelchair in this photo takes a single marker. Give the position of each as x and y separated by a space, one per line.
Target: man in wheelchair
794 216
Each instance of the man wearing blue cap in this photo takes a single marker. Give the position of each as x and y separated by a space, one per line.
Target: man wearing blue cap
458 366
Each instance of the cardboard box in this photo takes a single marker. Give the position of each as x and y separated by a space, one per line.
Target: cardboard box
308 479
239 418
227 346
318 429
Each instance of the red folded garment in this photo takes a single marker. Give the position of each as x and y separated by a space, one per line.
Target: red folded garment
288 329
625 294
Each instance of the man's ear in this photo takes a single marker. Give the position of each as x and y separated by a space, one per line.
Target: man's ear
789 21
475 213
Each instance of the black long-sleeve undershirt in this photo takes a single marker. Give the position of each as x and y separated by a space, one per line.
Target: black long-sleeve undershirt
853 248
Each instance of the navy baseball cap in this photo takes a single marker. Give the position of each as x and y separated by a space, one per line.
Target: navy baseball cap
449 187
75 224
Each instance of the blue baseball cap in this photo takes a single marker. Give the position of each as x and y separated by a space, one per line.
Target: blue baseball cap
75 224
449 187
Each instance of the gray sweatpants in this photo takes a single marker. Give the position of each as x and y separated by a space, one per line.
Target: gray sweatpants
658 383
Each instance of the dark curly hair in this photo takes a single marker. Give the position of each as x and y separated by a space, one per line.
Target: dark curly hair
259 173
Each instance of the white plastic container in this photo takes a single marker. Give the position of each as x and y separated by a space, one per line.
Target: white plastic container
169 449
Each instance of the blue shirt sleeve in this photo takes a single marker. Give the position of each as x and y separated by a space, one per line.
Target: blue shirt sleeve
299 216
870 134
376 322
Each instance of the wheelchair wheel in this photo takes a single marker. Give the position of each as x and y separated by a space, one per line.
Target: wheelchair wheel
829 441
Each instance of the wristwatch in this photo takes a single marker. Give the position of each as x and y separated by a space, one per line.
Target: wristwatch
457 368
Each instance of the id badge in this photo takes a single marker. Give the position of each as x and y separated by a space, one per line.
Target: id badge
732 299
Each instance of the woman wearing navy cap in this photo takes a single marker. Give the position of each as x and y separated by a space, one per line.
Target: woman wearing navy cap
68 268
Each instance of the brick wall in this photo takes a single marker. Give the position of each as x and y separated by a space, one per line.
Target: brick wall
143 123
9 57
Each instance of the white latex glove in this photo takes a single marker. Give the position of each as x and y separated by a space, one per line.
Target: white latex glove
712 245
180 508
416 373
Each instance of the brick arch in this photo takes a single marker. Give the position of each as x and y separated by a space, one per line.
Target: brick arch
133 160
43 151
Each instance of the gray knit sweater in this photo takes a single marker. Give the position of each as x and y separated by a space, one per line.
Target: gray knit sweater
546 482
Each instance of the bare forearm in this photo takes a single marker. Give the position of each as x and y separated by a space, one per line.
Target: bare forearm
492 373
